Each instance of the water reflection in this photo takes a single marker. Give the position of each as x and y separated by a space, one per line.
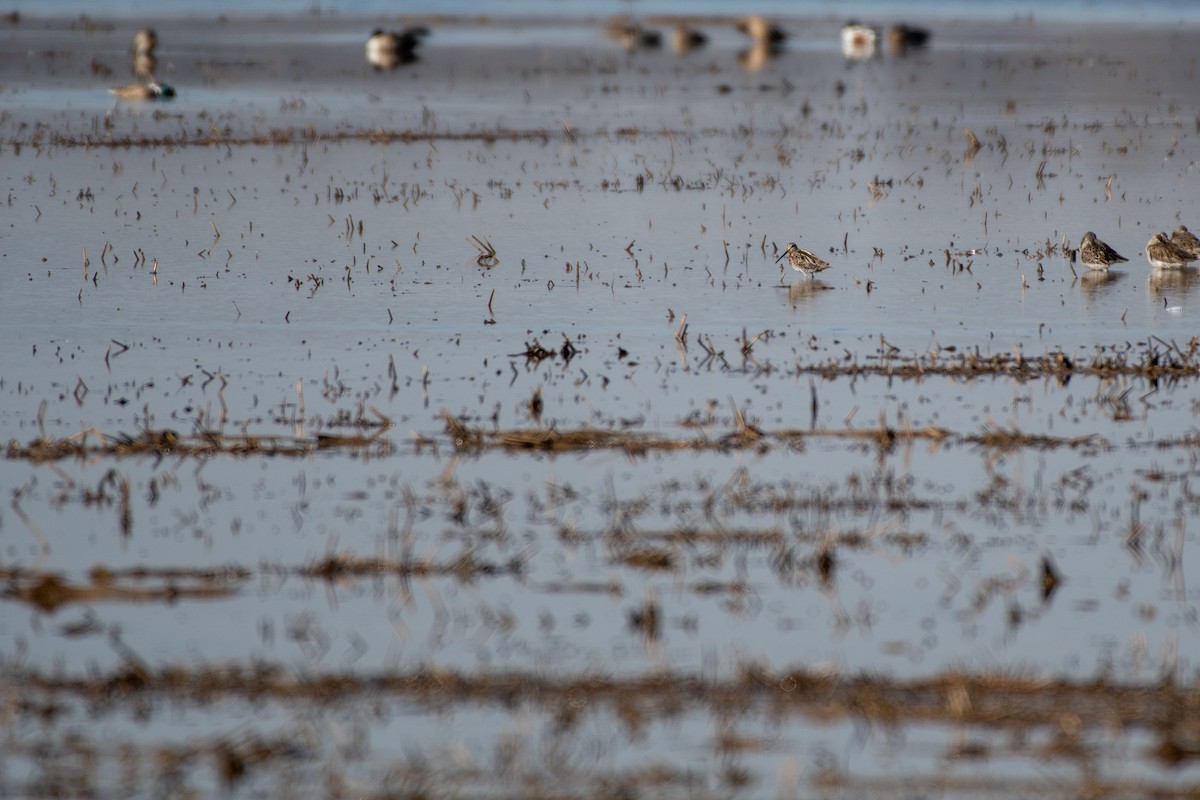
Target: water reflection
144 66
391 59
1093 283
803 291
758 56
145 63
1172 282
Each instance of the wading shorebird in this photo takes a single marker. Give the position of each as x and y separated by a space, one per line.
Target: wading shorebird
631 35
1095 254
802 260
1162 254
1186 242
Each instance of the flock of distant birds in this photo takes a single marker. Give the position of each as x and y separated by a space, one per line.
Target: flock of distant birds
388 50
392 49
859 41
1163 252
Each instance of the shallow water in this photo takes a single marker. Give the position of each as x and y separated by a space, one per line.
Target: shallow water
862 474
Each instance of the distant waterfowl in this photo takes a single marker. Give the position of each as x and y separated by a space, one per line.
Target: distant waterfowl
761 29
1186 242
388 50
632 36
901 38
859 41
1162 254
1095 254
685 39
150 90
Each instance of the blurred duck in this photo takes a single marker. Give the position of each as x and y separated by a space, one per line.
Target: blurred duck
685 39
150 90
859 41
901 38
632 36
762 30
388 50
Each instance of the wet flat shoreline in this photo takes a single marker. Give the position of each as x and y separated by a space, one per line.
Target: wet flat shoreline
452 430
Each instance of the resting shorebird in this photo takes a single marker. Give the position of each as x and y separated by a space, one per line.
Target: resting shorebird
1095 254
1162 254
802 260
1186 242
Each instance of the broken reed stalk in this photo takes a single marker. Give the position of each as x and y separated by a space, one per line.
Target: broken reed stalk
743 435
91 444
467 439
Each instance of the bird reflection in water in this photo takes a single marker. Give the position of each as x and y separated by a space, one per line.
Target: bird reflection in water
1097 282
802 292
766 39
1173 282
758 56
